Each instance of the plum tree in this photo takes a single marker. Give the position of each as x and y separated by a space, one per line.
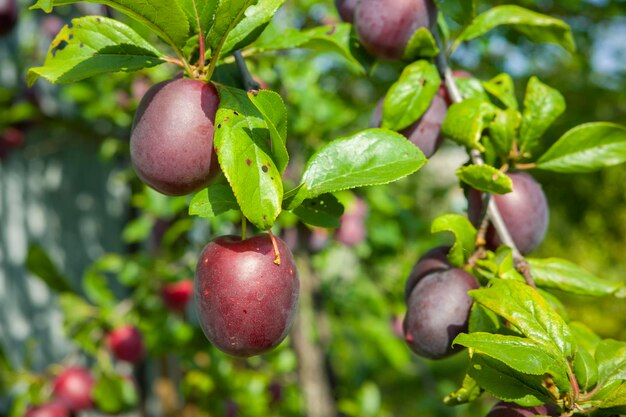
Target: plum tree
434 260
385 27
425 132
171 143
505 409
73 388
346 9
8 15
176 295
524 211
246 302
126 343
53 409
437 311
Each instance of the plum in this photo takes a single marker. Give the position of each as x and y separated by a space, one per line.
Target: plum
171 142
437 311
385 27
126 343
176 295
434 260
352 230
53 409
524 211
73 387
8 15
246 302
346 9
505 409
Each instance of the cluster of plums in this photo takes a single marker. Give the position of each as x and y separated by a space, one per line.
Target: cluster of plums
72 388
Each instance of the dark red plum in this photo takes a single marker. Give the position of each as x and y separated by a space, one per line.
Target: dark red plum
8 15
346 9
437 311
176 295
171 142
524 211
126 343
73 388
385 27
434 260
53 409
246 302
504 409
425 133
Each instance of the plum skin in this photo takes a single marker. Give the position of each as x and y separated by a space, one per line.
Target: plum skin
437 311
126 343
346 9
506 409
73 387
524 211
246 303
434 260
52 409
8 15
176 295
385 27
171 142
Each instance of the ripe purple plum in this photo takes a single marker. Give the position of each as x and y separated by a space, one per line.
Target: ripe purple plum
505 409
8 15
346 9
246 301
385 27
434 260
524 211
171 142
126 343
425 133
437 311
53 409
73 387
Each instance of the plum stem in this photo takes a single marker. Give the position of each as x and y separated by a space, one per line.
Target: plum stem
248 81
200 39
173 61
492 212
275 245
244 226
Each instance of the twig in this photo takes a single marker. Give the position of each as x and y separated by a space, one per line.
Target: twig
493 213
248 81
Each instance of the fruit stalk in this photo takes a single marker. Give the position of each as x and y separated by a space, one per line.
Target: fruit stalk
493 212
248 81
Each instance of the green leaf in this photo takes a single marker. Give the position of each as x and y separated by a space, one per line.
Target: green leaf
213 201
542 106
242 143
228 15
114 394
531 314
465 122
461 11
256 17
166 18
507 384
586 148
322 211
464 234
410 96
94 45
421 45
371 157
39 263
502 88
610 357
559 274
503 130
331 38
97 288
585 369
471 88
483 320
274 111
537 27
521 354
585 337
203 10
485 178
615 398
469 391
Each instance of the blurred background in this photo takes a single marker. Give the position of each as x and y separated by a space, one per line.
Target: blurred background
85 247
